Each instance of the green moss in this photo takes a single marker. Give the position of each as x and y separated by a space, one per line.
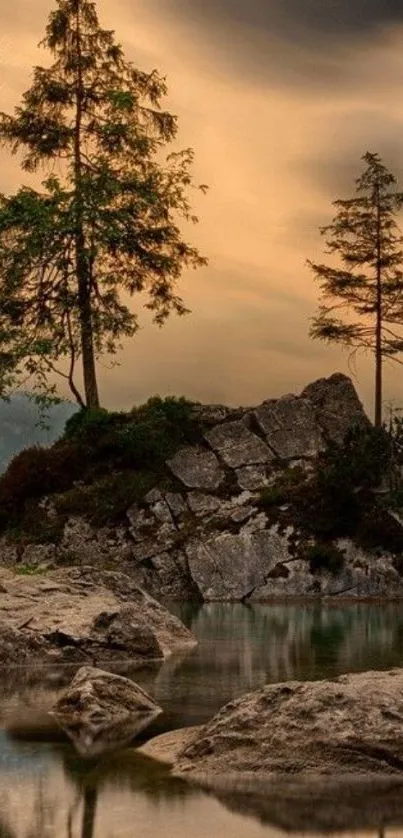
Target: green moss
29 570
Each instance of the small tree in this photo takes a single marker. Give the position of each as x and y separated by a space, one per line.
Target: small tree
105 224
368 285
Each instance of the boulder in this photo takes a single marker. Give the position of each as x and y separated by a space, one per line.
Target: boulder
290 427
82 615
197 468
336 405
348 727
100 711
237 445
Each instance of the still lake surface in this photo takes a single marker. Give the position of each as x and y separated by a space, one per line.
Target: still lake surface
47 791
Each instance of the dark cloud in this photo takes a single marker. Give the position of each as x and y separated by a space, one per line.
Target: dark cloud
330 18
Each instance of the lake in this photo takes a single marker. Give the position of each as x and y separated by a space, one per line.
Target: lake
47 791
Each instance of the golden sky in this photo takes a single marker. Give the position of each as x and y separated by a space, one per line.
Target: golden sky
279 99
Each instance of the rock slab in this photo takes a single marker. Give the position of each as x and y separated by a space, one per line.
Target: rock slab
77 616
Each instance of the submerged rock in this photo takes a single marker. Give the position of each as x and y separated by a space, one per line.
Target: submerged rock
100 711
348 727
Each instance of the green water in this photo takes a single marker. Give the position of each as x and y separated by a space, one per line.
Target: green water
46 791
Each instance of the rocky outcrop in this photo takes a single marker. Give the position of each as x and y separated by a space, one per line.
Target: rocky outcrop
209 535
351 726
81 616
100 711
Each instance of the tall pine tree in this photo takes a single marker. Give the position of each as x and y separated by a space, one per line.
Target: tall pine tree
362 304
105 224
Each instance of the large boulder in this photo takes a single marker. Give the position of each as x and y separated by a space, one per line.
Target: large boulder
349 727
82 616
100 711
337 405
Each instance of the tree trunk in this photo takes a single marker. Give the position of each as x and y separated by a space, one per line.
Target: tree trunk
90 804
378 314
82 267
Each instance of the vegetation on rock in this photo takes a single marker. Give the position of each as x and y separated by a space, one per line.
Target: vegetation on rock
104 463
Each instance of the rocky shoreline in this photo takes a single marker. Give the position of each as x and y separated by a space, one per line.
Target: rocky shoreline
83 616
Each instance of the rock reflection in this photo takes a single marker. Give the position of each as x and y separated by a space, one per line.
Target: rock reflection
48 791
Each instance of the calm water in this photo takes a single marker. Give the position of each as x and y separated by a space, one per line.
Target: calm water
46 791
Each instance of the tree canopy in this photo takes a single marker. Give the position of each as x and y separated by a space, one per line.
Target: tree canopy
362 295
105 223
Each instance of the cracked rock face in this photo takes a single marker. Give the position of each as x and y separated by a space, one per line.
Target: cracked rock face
237 445
290 427
197 468
229 567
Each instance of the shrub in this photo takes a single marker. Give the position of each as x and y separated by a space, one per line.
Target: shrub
36 472
106 501
272 496
87 425
325 556
340 492
281 491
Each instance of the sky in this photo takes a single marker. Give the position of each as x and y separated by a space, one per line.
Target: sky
279 100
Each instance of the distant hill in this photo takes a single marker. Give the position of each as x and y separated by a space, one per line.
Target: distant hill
18 426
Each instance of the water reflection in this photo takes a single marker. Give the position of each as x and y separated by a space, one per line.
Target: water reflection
47 791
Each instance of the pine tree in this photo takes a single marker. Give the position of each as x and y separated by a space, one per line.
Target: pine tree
362 304
105 223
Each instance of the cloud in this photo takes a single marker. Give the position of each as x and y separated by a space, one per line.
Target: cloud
332 19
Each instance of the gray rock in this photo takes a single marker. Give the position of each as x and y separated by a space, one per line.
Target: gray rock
153 496
101 712
237 445
164 539
212 414
290 427
177 504
252 477
142 523
203 505
337 405
169 577
229 567
350 726
162 512
197 468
